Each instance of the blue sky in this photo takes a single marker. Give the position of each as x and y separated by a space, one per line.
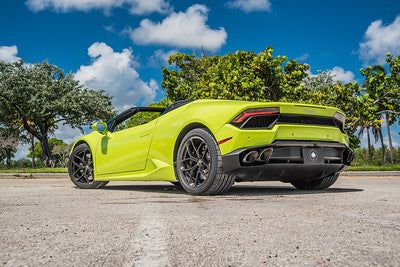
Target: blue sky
120 45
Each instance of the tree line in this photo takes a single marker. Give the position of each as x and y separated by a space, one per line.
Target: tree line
262 77
36 98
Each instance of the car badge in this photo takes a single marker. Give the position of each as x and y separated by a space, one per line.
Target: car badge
309 111
313 155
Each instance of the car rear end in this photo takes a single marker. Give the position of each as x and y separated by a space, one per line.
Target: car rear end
284 141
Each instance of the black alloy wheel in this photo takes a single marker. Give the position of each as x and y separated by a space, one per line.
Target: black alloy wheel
199 164
195 161
81 169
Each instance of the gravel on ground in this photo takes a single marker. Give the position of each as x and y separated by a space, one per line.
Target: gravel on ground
50 222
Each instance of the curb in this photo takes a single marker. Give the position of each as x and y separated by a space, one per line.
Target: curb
371 173
34 176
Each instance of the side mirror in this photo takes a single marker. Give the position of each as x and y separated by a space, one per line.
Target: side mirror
100 127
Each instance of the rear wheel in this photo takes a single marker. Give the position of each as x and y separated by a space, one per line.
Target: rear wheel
316 184
80 168
199 165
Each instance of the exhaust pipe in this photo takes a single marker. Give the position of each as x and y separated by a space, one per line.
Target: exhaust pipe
265 155
250 157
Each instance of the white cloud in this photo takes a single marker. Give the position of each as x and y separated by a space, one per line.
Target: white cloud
250 5
395 140
109 28
137 7
115 72
339 74
183 29
9 53
140 7
160 57
66 133
379 40
310 74
302 57
22 151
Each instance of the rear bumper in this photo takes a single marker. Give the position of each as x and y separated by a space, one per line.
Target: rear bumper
290 161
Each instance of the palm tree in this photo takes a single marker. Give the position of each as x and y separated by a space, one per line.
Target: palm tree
384 92
377 133
365 126
375 126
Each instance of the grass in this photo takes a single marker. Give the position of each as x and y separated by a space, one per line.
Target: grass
38 170
389 167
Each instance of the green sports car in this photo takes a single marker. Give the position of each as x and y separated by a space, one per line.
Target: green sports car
207 145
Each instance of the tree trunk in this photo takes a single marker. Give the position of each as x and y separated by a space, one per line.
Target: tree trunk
369 147
48 159
33 151
383 147
8 159
390 138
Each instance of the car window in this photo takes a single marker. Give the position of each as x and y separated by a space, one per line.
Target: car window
137 119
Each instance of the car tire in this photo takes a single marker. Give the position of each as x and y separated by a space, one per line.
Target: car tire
81 169
199 167
319 184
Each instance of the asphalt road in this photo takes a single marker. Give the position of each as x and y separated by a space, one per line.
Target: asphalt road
50 222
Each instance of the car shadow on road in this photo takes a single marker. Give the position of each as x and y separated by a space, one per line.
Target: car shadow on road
254 190
236 190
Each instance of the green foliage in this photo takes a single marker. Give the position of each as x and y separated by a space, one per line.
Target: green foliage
394 167
322 82
41 95
10 138
58 148
322 90
383 87
141 118
382 93
22 166
144 117
263 77
7 155
61 152
21 163
239 76
361 156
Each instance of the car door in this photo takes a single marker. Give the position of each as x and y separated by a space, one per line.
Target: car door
125 150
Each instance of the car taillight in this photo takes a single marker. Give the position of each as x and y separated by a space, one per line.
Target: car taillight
339 117
255 112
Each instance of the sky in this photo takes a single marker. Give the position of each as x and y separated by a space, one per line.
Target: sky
121 45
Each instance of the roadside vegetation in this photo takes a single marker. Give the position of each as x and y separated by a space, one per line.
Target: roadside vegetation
391 167
36 170
36 98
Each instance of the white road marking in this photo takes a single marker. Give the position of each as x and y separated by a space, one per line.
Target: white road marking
150 245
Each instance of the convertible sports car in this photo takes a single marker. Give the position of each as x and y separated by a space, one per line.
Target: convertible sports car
207 145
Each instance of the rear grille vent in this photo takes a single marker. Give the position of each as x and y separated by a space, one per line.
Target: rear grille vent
260 121
268 121
307 120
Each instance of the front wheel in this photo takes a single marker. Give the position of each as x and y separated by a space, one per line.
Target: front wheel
318 184
80 168
199 165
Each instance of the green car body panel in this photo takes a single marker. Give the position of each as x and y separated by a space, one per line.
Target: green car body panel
146 152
